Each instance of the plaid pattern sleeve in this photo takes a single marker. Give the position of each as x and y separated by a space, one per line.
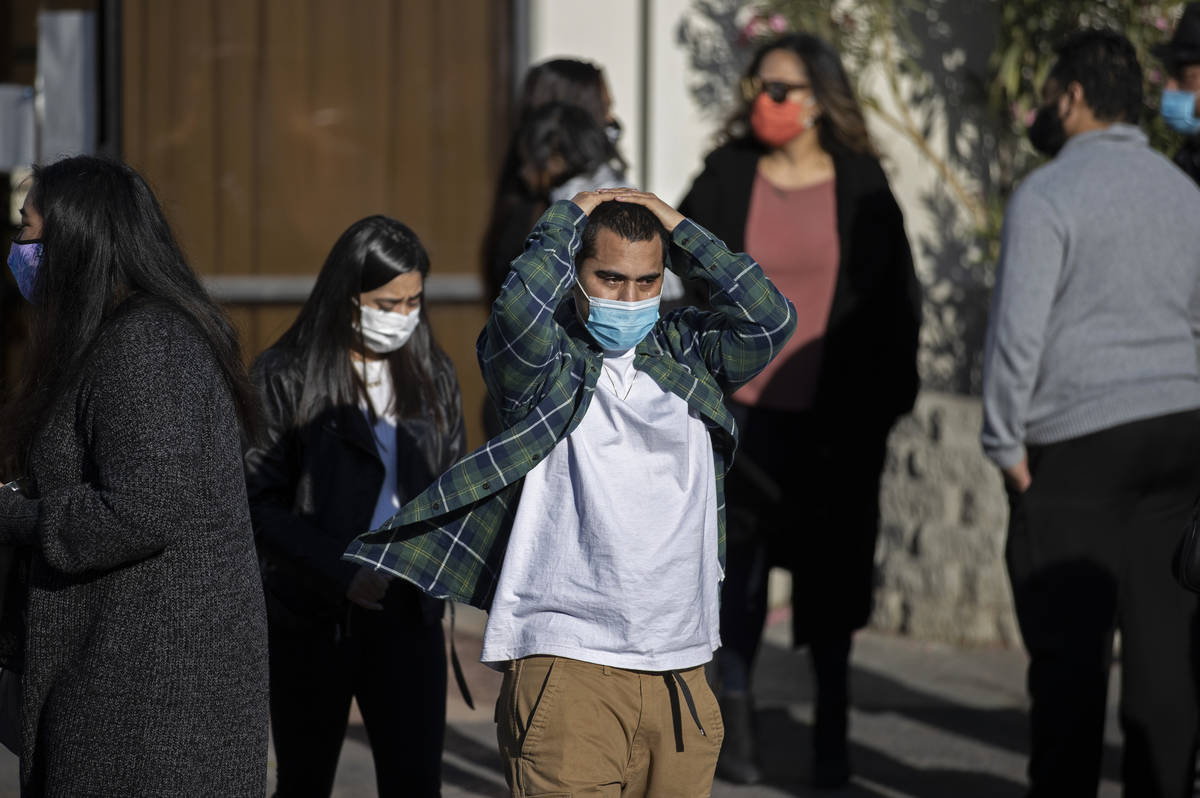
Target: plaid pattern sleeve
750 320
521 341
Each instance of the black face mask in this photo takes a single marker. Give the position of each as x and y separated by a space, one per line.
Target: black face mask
1046 134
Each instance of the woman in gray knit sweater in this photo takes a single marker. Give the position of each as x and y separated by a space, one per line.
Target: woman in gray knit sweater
143 649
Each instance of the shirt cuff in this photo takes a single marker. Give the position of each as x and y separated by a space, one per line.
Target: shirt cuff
1007 456
567 214
689 236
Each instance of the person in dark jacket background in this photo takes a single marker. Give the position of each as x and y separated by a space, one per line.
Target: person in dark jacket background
798 186
522 192
564 142
362 410
1181 97
145 637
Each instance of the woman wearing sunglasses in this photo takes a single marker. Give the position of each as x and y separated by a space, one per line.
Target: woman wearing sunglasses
798 186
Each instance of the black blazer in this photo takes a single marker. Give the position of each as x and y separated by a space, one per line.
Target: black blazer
313 487
868 375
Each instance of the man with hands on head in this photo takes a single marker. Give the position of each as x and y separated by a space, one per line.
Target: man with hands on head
592 528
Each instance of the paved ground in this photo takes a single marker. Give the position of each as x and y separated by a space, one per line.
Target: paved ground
930 721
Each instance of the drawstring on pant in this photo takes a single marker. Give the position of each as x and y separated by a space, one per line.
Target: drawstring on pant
672 678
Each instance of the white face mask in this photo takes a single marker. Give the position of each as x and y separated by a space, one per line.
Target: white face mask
385 331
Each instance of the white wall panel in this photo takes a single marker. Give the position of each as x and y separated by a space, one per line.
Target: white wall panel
607 33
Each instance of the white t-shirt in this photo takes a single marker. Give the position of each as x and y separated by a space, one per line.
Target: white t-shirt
380 391
613 553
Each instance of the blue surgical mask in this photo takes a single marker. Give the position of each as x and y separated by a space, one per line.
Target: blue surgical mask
24 258
620 325
1178 110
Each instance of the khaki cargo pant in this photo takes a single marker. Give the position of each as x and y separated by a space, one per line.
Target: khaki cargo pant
570 728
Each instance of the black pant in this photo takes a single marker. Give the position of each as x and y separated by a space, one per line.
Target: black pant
804 494
396 668
1090 548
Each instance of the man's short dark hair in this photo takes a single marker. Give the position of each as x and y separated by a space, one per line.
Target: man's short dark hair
630 221
1105 64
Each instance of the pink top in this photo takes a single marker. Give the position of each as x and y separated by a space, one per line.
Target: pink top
793 235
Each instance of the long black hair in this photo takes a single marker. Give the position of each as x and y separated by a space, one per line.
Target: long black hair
371 253
564 80
556 142
515 207
841 126
105 240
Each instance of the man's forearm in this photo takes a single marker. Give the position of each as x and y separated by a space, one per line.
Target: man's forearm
1031 257
1005 403
752 319
520 337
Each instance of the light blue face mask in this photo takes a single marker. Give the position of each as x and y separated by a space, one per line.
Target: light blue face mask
620 325
1178 110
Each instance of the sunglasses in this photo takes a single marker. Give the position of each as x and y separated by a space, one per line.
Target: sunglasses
777 90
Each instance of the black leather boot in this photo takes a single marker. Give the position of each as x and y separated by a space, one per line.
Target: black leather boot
738 761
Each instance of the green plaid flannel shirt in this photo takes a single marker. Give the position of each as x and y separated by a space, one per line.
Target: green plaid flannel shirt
541 367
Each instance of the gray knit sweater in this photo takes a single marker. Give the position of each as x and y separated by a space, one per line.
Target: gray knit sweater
145 654
1097 301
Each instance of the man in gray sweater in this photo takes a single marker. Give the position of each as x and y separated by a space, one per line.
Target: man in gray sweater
1090 396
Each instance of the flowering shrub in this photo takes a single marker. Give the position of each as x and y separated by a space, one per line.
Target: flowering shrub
878 35
1029 30
1026 33
958 80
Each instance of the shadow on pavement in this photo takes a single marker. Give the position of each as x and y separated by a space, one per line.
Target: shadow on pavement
786 761
785 742
465 748
477 753
1007 729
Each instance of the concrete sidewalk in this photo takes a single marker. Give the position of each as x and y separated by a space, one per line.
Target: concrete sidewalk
929 721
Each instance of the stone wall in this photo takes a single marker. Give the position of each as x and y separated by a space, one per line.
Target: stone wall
940 556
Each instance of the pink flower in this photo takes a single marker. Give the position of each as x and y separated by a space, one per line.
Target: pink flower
1155 77
1021 115
754 27
778 23
1161 23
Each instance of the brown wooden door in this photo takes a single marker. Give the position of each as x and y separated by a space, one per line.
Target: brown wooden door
268 126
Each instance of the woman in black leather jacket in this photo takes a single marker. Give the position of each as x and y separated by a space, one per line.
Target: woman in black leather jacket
361 411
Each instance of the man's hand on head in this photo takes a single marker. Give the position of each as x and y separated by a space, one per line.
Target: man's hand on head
588 200
669 217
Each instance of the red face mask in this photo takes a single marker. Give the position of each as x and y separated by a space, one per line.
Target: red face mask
775 124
